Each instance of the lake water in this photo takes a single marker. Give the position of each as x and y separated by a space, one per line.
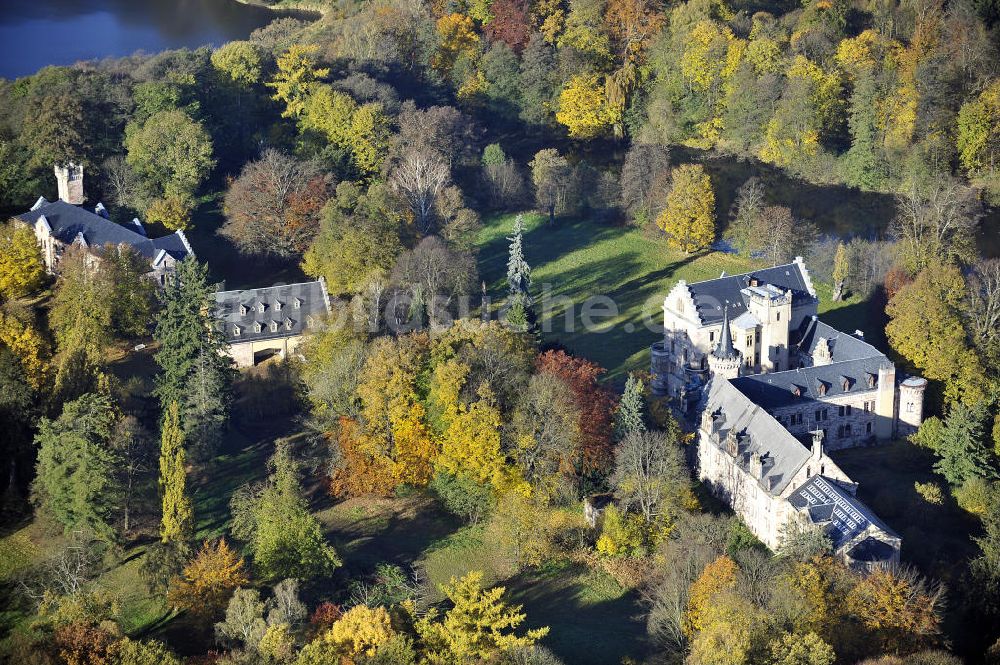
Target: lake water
36 33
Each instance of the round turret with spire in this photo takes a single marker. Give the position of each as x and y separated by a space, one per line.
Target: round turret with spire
725 360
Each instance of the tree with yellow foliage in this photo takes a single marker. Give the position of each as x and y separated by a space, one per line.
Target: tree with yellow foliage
689 216
584 107
926 327
363 130
208 580
27 343
21 267
358 633
717 577
457 36
808 108
979 136
296 78
478 627
471 446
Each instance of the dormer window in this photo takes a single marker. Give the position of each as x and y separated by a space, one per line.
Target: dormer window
277 306
309 322
288 324
260 308
845 383
236 331
871 380
821 388
296 303
243 310
274 326
257 327
796 391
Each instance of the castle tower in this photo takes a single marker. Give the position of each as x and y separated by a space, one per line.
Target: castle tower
772 307
885 402
725 360
69 180
911 404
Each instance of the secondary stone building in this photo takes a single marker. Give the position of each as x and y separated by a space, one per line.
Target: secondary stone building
269 321
770 388
67 222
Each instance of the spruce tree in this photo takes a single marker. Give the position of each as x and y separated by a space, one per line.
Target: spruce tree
196 375
519 312
962 447
178 515
518 270
631 413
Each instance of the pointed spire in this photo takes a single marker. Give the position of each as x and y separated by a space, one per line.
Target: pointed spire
725 350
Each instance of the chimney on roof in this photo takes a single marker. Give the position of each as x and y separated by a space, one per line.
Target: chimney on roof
69 181
860 334
757 465
817 445
101 210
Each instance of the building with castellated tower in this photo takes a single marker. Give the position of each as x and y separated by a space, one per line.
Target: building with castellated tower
770 389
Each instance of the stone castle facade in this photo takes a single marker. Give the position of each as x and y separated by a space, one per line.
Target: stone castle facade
67 222
770 389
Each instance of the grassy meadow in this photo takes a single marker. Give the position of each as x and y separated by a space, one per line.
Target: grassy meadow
579 258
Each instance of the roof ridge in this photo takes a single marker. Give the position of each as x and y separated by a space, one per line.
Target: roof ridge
275 286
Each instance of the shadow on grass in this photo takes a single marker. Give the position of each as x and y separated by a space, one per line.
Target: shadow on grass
399 535
584 629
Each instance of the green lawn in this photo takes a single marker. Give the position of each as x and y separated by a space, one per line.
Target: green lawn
577 259
592 620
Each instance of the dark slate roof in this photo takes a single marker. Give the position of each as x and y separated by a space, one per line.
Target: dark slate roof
67 221
835 508
842 345
778 389
711 296
724 350
757 432
279 307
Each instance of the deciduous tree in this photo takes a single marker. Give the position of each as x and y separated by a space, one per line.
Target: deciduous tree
296 78
172 152
209 580
689 216
21 267
551 175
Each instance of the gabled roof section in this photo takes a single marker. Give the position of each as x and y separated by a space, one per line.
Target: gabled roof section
842 345
756 431
69 222
830 505
272 323
714 295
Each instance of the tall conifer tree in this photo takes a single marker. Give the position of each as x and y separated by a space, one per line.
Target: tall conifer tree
196 375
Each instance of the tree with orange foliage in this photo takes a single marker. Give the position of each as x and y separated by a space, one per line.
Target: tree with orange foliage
208 580
390 445
717 577
632 24
900 608
594 404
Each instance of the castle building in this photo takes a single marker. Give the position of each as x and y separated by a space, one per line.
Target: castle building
776 388
269 321
67 222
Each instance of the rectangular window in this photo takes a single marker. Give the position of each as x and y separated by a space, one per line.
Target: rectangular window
711 335
848 408
840 431
868 428
749 341
819 415
847 429
840 410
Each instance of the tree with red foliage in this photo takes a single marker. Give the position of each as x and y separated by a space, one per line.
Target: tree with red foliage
81 643
595 405
510 23
323 617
